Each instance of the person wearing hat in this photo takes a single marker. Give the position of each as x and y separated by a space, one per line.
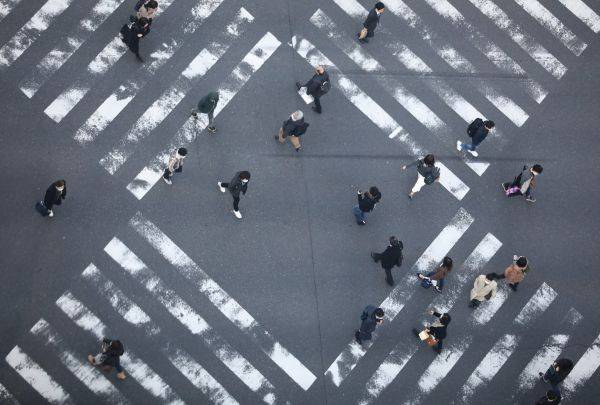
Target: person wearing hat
437 330
515 273
371 317
390 257
552 397
175 164
436 278
484 288
54 196
237 185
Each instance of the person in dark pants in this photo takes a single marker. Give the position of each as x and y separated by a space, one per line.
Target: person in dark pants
109 357
371 317
557 372
293 128
436 278
515 273
524 183
552 397
175 165
54 196
366 203
478 130
316 87
132 33
237 185
390 257
437 330
427 173
207 105
368 30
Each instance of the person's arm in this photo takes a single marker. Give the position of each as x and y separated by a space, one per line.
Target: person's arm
369 20
416 162
171 165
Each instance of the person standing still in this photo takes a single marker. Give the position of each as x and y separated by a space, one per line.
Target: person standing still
366 203
207 105
390 257
237 185
293 129
478 130
175 165
427 173
368 30
316 87
54 196
370 318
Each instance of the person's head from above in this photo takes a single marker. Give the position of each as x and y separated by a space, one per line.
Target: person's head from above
522 261
374 192
489 125
395 242
379 315
143 22
536 169
245 176
320 69
181 153
297 115
151 4
379 7
429 160
60 185
447 263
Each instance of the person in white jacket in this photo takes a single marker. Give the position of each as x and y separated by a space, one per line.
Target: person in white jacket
484 288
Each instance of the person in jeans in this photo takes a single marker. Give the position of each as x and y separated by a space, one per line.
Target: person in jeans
427 173
175 164
54 196
109 357
524 183
314 87
390 257
237 185
484 288
207 105
370 318
478 131
436 277
515 273
437 329
366 203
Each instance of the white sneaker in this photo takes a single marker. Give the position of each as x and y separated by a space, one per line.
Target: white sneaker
237 214
221 188
168 181
474 153
458 145
51 214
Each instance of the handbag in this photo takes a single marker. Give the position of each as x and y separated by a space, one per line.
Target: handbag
363 33
427 338
426 283
488 296
41 208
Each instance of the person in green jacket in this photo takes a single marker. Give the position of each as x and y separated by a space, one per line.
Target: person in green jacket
207 105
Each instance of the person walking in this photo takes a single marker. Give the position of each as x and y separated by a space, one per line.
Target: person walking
146 9
427 173
366 203
317 86
132 33
484 288
478 130
390 257
237 185
436 278
109 357
435 333
557 372
524 183
515 273
368 30
552 397
370 317
293 128
175 165
54 196
207 105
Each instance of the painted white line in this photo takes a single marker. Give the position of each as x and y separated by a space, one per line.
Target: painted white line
485 312
6 6
393 304
136 368
521 38
537 304
584 13
5 396
490 365
492 51
90 376
242 73
584 369
118 100
377 115
37 377
542 359
543 16
200 378
31 31
128 309
58 56
189 318
573 317
223 301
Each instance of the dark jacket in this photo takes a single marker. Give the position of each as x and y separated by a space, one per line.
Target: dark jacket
371 22
112 355
479 135
391 256
438 328
208 103
130 35
555 377
290 127
366 203
545 401
425 170
236 186
54 196
369 322
313 86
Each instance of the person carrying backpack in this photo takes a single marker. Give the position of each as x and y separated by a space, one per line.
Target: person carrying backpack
316 87
478 130
293 129
109 357
427 173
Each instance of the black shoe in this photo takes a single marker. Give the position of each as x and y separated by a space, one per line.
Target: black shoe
139 58
390 282
315 109
361 222
415 332
357 337
298 86
513 287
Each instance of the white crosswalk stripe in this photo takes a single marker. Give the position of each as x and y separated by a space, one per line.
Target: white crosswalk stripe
584 13
6 6
6 397
242 73
91 377
584 369
31 31
539 302
189 318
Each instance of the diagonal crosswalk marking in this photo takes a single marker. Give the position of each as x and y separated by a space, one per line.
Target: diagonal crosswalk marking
37 377
6 6
393 304
58 56
538 303
31 31
91 377
5 396
584 369
189 318
252 62
136 367
223 301
537 52
584 13
377 115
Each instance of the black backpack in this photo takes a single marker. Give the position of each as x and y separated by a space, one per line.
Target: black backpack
325 86
432 175
474 126
301 129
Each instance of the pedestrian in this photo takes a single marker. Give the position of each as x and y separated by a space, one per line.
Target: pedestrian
368 30
54 196
175 165
207 105
366 203
109 357
317 86
293 128
484 288
523 184
552 397
131 34
238 184
146 9
515 273
427 173
557 372
436 277
435 333
371 317
390 257
478 130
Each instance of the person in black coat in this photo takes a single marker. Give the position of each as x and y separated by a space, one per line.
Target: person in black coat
427 173
316 87
557 372
437 330
237 185
293 128
54 195
132 33
477 131
366 203
371 317
391 256
109 357
371 22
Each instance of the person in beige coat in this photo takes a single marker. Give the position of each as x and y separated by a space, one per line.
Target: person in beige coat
484 288
515 273
146 9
